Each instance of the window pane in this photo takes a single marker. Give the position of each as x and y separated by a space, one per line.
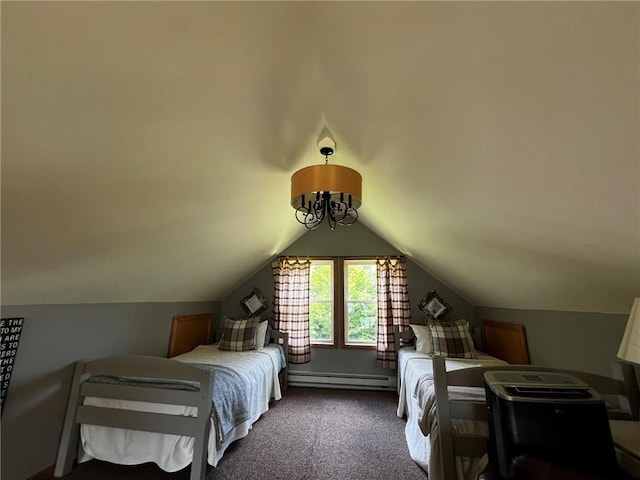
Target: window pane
320 321
363 322
361 304
362 282
320 282
321 302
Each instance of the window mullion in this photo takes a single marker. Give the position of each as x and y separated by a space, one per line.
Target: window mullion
338 301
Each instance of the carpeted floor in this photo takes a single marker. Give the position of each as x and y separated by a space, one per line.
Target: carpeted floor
309 434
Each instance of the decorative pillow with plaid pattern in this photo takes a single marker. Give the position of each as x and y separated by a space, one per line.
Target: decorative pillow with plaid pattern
452 339
239 335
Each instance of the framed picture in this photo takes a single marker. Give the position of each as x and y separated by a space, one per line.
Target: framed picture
255 302
433 306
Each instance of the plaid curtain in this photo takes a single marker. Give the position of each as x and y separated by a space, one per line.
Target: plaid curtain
291 305
393 307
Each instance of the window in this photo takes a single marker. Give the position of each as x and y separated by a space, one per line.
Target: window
321 311
343 302
361 302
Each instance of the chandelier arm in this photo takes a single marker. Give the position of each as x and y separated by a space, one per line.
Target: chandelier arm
350 218
339 210
312 215
306 218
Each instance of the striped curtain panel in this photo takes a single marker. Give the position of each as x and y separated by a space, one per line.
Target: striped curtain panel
393 307
291 305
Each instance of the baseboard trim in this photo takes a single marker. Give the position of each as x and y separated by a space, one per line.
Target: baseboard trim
46 474
356 381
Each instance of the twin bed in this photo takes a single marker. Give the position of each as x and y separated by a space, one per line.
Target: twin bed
422 387
416 402
175 411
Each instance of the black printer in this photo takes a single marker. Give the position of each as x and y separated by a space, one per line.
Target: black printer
548 415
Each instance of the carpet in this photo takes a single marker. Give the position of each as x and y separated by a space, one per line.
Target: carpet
309 434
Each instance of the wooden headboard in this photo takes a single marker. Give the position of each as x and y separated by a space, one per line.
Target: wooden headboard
189 331
506 341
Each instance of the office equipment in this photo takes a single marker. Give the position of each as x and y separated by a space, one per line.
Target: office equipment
549 415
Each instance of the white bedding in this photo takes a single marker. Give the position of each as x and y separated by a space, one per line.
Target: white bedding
174 452
416 401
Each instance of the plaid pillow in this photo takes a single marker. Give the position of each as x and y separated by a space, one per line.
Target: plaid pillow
452 339
239 335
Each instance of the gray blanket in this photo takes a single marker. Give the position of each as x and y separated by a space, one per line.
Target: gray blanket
230 394
230 400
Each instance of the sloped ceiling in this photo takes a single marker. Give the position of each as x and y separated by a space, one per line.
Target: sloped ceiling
147 147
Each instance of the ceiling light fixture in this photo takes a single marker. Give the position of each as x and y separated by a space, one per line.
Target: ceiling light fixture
326 191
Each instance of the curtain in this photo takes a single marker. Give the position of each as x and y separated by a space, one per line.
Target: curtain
291 305
393 307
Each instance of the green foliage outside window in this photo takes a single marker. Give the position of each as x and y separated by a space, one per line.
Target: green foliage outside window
320 321
360 302
362 306
320 302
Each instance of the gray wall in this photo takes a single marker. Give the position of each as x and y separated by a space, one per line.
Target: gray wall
53 337
356 240
572 340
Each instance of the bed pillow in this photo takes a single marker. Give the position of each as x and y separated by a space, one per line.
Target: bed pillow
261 334
239 335
267 337
423 338
451 339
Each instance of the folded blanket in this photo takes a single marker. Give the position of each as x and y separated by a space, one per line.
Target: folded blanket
230 400
428 417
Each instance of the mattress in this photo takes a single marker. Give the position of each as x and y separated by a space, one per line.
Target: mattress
258 368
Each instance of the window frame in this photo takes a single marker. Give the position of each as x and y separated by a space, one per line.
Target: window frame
339 301
334 334
346 343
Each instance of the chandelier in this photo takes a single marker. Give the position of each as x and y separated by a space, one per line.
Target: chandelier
326 191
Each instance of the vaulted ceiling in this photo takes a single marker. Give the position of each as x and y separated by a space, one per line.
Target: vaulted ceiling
147 147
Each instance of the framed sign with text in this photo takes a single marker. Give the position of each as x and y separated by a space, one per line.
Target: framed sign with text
10 331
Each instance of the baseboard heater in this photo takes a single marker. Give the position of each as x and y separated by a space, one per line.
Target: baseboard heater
355 381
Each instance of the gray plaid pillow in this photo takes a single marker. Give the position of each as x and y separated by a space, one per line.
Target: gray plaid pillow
452 339
239 335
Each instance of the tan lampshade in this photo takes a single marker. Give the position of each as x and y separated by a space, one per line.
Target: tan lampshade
335 179
630 346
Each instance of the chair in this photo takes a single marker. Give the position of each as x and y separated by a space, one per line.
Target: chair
620 395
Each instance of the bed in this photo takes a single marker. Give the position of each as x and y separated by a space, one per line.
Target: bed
416 396
420 391
175 411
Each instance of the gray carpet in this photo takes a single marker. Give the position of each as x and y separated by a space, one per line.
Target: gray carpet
309 434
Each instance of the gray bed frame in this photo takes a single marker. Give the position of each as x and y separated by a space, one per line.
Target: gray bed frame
146 367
